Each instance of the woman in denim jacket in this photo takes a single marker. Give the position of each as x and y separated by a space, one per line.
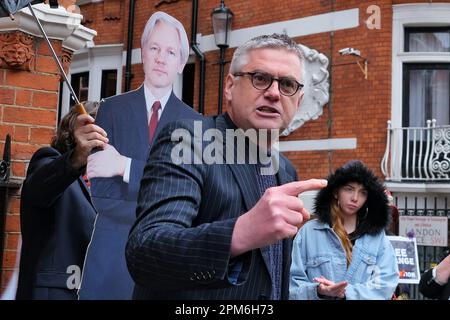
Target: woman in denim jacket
344 254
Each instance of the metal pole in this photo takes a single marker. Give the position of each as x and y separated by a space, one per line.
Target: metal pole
221 63
72 92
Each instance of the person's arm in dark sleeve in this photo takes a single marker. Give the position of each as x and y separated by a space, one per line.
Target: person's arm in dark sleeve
428 287
49 175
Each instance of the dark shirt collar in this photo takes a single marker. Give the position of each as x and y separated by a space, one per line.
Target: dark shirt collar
229 122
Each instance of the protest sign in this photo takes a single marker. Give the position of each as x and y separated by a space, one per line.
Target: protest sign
407 259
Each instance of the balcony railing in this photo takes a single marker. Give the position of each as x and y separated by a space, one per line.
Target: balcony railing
419 154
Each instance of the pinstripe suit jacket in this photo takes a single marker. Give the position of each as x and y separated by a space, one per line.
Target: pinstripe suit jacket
179 246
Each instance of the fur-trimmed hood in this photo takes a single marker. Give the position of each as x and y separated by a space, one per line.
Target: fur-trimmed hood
374 216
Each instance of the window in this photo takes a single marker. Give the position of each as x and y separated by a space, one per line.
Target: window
420 92
426 97
80 84
426 86
99 68
426 94
109 83
427 39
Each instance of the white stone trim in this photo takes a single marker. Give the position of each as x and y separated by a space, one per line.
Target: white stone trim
135 57
405 187
318 145
407 15
79 38
57 23
83 2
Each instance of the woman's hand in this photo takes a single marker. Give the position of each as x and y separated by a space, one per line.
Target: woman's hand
331 289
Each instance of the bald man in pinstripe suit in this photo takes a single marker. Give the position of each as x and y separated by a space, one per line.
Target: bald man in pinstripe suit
223 229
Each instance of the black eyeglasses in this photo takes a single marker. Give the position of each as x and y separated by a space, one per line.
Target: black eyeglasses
263 81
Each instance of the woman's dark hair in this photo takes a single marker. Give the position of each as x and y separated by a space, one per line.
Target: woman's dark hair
64 139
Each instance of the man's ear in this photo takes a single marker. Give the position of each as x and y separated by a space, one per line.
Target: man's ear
229 83
142 57
300 98
302 93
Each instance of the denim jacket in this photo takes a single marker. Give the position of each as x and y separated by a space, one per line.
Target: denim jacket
317 251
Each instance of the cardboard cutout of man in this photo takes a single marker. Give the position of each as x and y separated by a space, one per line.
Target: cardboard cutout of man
131 121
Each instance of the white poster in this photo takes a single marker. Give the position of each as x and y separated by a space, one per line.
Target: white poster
428 230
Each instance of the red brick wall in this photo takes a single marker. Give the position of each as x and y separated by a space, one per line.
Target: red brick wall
28 112
109 19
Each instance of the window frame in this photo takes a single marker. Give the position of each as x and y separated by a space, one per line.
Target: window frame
423 29
406 85
79 76
105 73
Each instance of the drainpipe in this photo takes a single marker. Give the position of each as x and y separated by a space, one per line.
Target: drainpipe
200 55
330 101
128 74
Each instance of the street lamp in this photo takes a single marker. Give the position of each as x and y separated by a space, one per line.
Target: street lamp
222 18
